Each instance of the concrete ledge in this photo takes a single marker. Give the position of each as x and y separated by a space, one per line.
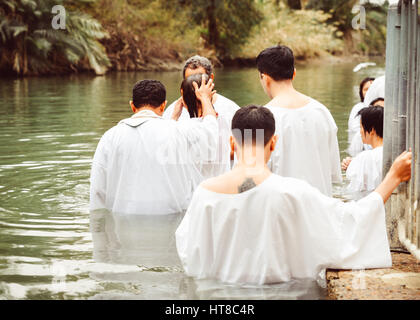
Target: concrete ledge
402 281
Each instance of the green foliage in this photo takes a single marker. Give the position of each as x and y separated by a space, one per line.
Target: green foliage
29 44
225 23
370 40
305 31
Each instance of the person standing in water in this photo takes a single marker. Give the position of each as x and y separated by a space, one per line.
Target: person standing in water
354 121
365 170
147 165
225 107
221 162
308 147
251 226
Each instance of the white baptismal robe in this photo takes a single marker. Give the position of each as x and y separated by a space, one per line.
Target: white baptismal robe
148 165
225 109
354 121
376 90
365 171
307 146
281 229
356 146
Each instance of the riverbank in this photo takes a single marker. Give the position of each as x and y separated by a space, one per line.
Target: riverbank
104 35
401 282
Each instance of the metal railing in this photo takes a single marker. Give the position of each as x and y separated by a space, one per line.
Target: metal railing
402 121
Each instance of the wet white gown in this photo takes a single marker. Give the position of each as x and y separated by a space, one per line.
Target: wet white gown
148 165
307 146
365 171
225 109
279 230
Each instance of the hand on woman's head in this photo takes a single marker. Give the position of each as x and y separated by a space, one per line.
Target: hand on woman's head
205 90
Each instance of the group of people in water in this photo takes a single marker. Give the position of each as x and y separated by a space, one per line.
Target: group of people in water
255 182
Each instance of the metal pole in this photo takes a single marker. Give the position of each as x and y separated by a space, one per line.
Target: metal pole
391 113
410 116
402 110
417 130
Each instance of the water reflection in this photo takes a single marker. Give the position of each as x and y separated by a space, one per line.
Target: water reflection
49 129
148 242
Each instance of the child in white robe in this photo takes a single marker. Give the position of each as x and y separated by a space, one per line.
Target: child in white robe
365 170
251 226
357 145
354 122
308 147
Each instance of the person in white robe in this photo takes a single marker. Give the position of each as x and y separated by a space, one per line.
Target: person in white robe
251 226
308 146
365 170
148 165
357 146
222 161
354 121
375 91
225 109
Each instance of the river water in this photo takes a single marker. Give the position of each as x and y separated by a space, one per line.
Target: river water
52 248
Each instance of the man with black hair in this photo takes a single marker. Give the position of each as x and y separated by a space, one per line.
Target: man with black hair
365 170
356 145
251 226
308 147
148 165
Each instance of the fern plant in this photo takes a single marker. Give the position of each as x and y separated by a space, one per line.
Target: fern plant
29 44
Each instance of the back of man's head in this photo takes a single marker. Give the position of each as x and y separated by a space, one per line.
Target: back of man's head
249 120
372 118
277 62
148 93
196 62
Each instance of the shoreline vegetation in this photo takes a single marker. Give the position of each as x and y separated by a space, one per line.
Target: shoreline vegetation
158 35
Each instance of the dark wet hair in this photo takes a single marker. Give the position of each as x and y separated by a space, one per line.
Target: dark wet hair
362 84
278 62
196 62
372 104
372 118
253 118
188 93
148 93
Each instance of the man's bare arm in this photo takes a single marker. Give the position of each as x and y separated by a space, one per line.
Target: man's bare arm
400 171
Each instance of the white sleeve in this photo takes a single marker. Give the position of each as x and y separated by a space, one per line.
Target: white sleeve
356 145
167 114
98 176
364 173
202 137
345 235
364 236
182 235
335 157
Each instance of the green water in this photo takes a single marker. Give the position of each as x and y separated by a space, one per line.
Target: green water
49 129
